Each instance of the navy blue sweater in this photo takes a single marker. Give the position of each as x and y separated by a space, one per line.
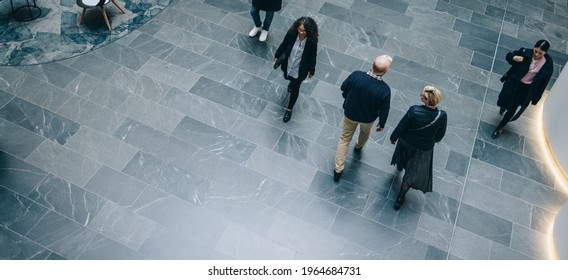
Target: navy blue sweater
366 98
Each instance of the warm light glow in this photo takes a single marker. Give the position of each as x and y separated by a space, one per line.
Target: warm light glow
548 155
560 176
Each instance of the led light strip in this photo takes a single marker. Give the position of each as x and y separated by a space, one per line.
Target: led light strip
560 176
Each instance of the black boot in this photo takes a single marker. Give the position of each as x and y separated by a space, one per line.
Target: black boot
336 175
401 194
287 116
497 132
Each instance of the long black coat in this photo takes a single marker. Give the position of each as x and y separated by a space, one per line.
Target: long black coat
516 73
308 61
268 5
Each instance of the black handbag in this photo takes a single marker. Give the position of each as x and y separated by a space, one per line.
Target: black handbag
279 60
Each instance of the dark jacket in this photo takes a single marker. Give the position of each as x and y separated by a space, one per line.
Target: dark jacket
516 73
417 117
268 5
366 98
308 61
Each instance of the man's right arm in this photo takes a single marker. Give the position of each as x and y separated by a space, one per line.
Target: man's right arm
384 110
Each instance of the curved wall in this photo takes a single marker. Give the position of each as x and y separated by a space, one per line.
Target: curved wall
555 118
555 115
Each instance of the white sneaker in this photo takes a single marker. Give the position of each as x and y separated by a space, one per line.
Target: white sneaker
254 31
263 35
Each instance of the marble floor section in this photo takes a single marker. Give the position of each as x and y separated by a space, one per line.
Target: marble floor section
57 33
169 143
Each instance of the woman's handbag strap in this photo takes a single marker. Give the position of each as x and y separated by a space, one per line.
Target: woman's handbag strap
431 123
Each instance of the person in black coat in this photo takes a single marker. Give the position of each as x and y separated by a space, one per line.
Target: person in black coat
415 136
297 57
524 83
269 6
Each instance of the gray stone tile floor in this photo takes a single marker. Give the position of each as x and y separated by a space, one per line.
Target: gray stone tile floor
169 143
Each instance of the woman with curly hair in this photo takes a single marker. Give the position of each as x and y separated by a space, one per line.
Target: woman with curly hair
297 56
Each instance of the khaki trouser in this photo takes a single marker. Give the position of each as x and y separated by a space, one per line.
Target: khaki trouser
349 128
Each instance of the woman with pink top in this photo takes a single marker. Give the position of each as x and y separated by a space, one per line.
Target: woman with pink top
524 83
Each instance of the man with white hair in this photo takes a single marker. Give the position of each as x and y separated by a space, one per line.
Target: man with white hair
367 97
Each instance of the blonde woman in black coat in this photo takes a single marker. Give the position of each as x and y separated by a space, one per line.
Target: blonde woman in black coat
297 54
524 83
415 136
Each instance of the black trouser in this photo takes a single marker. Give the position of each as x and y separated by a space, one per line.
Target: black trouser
294 89
520 96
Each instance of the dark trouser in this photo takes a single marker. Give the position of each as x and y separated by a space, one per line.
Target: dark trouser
520 95
255 13
294 90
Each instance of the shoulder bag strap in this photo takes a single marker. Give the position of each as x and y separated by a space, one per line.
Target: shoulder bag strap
431 123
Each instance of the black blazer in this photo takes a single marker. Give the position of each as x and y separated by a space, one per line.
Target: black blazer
308 61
